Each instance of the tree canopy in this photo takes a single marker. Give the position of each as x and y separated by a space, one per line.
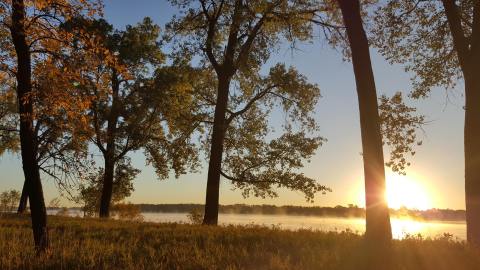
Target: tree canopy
417 34
232 42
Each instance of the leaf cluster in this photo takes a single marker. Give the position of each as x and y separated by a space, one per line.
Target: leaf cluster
417 34
399 128
59 109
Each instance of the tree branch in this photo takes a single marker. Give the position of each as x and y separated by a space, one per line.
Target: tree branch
210 36
459 40
250 103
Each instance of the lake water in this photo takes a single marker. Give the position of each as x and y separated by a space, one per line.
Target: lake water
400 227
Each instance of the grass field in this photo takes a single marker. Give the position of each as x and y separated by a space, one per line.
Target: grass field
95 244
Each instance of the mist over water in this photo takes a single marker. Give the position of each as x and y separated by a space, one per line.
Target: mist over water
401 228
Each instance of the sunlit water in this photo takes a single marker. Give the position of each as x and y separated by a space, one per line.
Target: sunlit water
400 227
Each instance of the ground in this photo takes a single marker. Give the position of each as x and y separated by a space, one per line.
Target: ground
78 243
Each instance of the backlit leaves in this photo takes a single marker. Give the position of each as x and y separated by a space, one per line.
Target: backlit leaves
59 109
417 34
234 40
399 127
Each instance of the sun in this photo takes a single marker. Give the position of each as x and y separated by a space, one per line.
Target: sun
405 191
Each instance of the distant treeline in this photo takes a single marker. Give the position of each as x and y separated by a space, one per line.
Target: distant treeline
337 211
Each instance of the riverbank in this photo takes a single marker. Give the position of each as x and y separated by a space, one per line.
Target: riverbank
95 244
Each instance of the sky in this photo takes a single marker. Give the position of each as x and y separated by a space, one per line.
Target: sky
437 168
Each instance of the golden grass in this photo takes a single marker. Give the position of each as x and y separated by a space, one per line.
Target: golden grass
95 244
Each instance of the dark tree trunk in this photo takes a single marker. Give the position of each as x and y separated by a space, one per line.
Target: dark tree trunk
472 159
216 152
378 228
109 155
107 189
27 133
472 142
472 134
468 52
22 205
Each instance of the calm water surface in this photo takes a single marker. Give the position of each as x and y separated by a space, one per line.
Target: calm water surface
400 227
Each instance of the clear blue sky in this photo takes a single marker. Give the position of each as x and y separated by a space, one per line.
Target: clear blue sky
438 164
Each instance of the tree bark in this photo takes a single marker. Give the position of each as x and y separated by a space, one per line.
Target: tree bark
109 155
472 138
22 205
107 189
468 52
472 159
216 152
27 132
378 228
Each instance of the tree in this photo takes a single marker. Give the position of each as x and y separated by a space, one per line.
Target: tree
378 228
235 39
135 104
91 192
36 39
8 200
439 41
396 122
61 123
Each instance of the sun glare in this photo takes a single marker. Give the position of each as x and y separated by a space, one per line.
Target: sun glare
403 191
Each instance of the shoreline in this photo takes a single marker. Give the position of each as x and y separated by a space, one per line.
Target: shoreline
443 215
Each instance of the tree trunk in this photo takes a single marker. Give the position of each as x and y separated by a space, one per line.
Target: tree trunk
216 152
107 189
378 227
468 52
27 133
109 155
472 159
22 205
472 133
472 140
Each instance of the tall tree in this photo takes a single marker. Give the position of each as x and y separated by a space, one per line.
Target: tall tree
439 41
135 105
235 39
37 40
27 139
377 216
391 123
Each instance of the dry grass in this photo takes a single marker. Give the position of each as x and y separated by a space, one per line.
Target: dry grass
95 244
